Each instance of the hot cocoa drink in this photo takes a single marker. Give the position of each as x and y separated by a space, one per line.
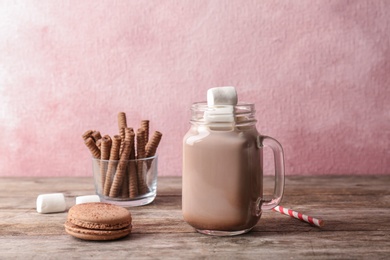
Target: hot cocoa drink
223 166
222 179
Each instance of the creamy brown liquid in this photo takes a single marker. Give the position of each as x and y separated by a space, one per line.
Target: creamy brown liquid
222 179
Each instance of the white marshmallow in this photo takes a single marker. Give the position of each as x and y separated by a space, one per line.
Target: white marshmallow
51 203
220 114
87 198
221 102
222 96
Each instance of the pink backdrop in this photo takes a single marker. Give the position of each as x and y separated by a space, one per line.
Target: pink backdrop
318 72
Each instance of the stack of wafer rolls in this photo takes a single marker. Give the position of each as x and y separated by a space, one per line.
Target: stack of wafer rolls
123 158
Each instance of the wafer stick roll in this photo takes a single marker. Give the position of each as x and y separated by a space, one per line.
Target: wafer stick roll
145 125
142 187
133 177
131 136
151 147
125 181
106 147
153 143
141 143
87 134
114 157
99 143
105 156
90 143
121 171
122 122
122 135
133 180
96 135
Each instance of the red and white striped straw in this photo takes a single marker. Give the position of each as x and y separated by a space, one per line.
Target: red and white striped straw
303 217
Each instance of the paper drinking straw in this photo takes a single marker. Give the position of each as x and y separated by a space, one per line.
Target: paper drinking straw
294 214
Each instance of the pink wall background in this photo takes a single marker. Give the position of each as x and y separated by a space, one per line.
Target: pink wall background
318 72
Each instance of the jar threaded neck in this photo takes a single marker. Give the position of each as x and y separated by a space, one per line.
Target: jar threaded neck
240 114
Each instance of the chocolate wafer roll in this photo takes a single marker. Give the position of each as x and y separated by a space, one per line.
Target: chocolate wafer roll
121 171
87 134
145 125
99 143
127 133
132 168
141 143
122 120
106 147
133 150
125 182
133 179
122 135
90 143
151 147
114 157
96 135
142 187
130 136
122 124
153 143
105 156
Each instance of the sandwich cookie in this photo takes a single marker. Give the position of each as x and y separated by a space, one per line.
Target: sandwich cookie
98 221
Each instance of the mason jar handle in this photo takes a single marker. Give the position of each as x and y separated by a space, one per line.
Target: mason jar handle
266 141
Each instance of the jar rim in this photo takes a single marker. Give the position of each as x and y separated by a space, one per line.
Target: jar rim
244 113
242 107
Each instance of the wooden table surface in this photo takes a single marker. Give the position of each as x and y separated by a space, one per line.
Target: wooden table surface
356 211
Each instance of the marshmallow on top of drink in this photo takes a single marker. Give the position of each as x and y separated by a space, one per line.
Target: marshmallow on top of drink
222 96
221 101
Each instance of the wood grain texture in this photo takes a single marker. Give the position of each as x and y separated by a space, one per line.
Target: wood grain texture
356 211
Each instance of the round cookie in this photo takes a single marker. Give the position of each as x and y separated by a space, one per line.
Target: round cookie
99 215
98 221
93 234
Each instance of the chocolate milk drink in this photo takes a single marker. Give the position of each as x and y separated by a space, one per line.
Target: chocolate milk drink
222 170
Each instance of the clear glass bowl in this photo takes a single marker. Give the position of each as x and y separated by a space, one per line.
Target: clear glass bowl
127 183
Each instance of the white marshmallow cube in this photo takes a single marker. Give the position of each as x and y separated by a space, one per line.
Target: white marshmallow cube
222 96
220 114
51 203
87 198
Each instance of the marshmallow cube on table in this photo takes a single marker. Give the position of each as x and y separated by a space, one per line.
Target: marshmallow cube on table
87 198
51 203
